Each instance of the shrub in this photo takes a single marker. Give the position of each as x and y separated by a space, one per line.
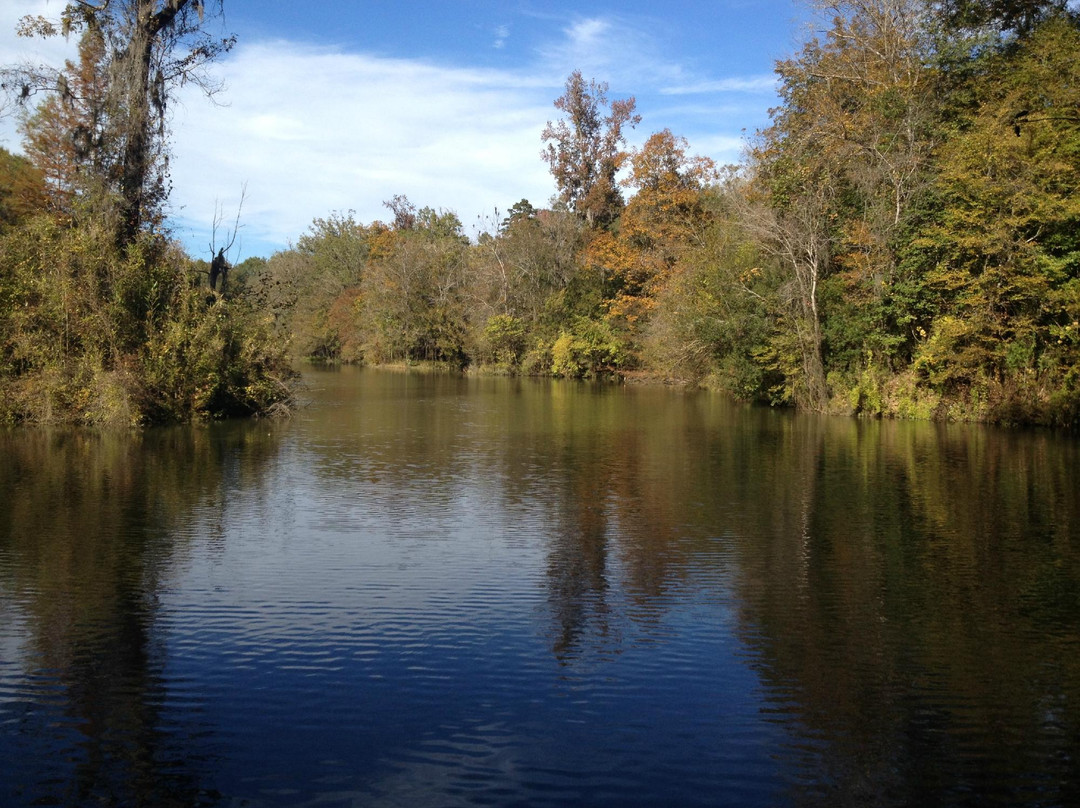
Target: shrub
504 340
590 349
95 335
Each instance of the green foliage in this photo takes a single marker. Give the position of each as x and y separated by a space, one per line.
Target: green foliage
590 349
311 290
242 276
418 291
714 319
905 241
1003 251
917 191
504 340
1001 16
520 211
210 360
414 293
93 335
103 321
537 361
517 271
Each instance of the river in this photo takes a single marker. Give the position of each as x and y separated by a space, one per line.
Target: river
430 590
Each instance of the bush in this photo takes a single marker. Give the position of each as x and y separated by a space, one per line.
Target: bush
590 349
93 335
211 361
504 340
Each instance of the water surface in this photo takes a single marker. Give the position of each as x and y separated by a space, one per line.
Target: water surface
432 590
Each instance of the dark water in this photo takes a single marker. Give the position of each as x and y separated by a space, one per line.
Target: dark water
433 591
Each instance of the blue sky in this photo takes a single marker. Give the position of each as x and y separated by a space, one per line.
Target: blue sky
338 106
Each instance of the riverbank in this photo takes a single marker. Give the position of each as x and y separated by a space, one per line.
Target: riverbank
898 397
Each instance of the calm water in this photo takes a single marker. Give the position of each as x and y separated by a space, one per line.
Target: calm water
434 591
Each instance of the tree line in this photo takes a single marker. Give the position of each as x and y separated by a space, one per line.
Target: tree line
900 240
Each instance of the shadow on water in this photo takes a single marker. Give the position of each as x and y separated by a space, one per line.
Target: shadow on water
590 470
90 526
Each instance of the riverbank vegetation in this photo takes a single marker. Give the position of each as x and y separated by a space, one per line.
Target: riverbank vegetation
103 319
902 240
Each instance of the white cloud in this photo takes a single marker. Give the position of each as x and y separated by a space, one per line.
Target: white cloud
313 131
724 149
737 84
621 52
588 35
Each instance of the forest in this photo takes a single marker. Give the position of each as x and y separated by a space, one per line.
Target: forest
901 240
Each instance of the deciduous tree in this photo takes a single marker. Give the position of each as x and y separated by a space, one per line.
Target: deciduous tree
66 134
1003 257
586 148
665 216
848 151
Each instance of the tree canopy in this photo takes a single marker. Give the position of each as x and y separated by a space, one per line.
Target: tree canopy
101 133
586 148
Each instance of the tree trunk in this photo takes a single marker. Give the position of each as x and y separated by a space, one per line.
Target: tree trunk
134 76
136 158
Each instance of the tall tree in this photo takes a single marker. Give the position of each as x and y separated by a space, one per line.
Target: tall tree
148 48
662 219
1003 256
413 287
837 172
665 215
586 148
530 258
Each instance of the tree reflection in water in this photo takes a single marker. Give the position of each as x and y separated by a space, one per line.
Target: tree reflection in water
91 526
684 599
909 593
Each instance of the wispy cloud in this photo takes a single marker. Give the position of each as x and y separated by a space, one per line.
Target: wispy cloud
738 84
313 131
622 52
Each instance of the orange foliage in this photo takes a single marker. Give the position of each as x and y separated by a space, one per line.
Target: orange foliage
65 136
662 220
343 319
